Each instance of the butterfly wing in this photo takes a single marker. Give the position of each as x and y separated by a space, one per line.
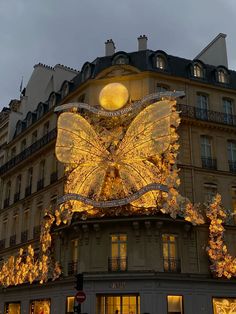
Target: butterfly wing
150 134
77 142
79 147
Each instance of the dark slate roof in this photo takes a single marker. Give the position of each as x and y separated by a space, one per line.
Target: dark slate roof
144 61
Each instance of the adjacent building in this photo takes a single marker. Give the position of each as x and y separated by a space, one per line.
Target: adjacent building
131 265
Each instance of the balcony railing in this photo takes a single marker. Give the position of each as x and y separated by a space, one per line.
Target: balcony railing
117 264
209 163
13 240
171 265
206 115
16 197
2 244
232 166
40 184
53 177
24 236
72 268
28 190
6 202
36 231
28 151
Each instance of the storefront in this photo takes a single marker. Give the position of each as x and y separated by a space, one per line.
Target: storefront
118 304
12 308
40 306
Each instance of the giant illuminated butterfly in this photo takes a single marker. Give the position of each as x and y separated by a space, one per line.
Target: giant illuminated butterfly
148 135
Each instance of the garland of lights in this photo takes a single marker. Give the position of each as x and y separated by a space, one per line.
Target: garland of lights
25 268
223 264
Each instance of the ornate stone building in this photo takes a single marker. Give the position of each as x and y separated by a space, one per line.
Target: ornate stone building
139 264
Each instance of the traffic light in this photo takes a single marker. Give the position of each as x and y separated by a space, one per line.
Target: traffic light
79 281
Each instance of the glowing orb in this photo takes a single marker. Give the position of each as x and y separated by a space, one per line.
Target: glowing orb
113 96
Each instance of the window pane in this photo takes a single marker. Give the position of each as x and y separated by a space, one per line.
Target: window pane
70 301
120 304
221 305
175 304
12 308
40 307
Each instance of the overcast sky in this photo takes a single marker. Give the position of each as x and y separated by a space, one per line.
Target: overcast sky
72 32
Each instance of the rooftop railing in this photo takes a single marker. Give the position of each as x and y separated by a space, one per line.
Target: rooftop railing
28 151
171 265
206 115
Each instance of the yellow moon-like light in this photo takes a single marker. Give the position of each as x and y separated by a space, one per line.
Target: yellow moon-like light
113 96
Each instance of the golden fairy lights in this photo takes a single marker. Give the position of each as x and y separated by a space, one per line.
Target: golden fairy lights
27 267
223 264
111 158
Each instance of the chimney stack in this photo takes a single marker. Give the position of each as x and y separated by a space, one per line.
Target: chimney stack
142 42
109 47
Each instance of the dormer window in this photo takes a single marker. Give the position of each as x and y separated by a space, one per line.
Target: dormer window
40 111
29 119
197 70
65 90
222 76
86 72
120 59
52 101
160 63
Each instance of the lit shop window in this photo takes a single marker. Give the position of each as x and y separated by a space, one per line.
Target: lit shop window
70 302
40 306
12 308
224 306
118 304
175 304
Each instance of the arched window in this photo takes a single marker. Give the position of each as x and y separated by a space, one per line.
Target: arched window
160 62
197 70
65 90
86 72
40 111
29 119
52 100
120 59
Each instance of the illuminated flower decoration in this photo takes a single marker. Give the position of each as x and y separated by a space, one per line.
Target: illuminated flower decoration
26 268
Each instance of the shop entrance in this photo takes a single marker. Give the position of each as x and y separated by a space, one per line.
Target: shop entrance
118 304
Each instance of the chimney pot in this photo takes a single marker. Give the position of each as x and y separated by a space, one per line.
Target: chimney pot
142 42
109 47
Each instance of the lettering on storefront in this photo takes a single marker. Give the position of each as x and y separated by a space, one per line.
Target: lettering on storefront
118 285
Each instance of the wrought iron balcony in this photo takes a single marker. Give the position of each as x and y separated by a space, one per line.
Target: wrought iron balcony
171 265
232 166
36 231
72 268
13 240
53 177
118 264
28 190
206 115
209 163
2 244
28 151
24 236
16 197
40 184
6 202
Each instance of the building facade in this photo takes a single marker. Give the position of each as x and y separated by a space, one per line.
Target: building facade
131 265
